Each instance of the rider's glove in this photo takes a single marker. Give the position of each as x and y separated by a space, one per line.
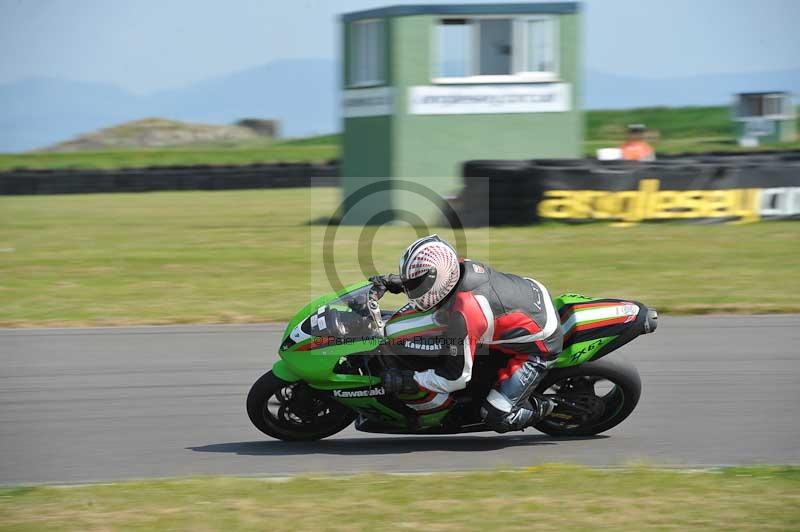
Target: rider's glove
399 381
390 282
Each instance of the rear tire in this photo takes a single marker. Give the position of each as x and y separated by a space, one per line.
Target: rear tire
578 384
274 407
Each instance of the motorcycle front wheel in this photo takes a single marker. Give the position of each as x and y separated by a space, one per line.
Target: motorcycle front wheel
292 411
590 398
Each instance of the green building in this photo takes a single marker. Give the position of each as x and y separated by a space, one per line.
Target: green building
764 117
427 87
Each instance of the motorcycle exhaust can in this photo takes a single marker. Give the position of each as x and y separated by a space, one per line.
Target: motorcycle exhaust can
651 323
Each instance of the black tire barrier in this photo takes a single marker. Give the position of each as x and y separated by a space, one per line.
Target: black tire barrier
499 193
77 181
509 192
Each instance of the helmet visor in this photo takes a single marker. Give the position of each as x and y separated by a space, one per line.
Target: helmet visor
419 286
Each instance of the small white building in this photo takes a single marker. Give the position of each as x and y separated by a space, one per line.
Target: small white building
765 117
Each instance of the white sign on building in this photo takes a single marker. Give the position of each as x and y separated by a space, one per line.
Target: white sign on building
489 99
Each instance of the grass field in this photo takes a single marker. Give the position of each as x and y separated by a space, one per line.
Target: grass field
553 497
248 256
687 129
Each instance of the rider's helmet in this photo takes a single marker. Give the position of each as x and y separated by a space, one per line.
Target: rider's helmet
429 270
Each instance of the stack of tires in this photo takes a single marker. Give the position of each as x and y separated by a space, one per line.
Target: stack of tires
498 193
200 177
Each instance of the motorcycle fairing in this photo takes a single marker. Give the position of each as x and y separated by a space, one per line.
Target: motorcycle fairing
593 327
315 345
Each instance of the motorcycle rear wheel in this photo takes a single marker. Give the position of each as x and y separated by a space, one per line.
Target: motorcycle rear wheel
291 411
592 397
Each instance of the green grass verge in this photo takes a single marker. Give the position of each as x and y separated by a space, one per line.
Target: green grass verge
555 497
293 151
248 256
682 129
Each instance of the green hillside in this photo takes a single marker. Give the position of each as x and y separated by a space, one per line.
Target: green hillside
684 129
671 123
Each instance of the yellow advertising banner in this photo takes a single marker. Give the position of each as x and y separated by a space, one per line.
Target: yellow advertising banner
649 202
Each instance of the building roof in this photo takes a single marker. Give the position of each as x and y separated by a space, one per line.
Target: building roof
464 9
762 93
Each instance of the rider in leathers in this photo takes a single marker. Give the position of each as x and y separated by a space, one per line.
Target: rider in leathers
478 307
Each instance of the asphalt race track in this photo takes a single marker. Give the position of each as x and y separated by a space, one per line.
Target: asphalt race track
82 405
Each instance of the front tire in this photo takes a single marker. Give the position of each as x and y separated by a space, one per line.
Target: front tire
592 397
291 411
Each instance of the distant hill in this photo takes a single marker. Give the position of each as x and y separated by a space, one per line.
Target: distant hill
302 94
156 133
609 91
41 111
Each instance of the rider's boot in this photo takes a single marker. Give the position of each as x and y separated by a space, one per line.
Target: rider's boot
510 404
543 407
518 419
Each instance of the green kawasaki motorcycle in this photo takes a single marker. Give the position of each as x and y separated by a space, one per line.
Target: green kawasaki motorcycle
334 349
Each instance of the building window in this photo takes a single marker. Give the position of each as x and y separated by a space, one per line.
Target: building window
455 48
540 38
775 105
496 49
367 53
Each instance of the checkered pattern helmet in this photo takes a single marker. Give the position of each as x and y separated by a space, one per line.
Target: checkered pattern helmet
430 270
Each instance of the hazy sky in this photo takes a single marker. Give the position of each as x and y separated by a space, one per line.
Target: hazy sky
145 45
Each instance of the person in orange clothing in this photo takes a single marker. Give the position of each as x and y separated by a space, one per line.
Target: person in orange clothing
636 148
